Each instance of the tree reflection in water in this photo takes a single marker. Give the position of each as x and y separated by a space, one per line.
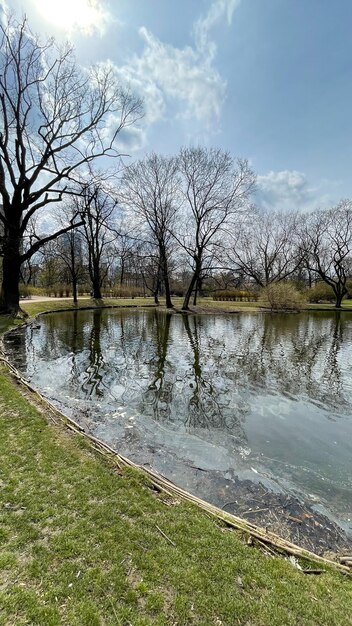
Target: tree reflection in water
195 371
93 383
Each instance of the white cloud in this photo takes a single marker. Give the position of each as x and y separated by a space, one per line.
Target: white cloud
289 189
180 82
203 26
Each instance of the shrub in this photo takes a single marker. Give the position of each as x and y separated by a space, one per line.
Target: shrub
349 288
282 297
120 291
58 290
231 295
26 291
321 292
36 291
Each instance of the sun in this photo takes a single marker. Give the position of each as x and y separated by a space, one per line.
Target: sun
87 16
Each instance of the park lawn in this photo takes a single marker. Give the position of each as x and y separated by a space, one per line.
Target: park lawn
82 543
33 307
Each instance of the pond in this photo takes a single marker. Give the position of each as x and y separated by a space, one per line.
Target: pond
212 402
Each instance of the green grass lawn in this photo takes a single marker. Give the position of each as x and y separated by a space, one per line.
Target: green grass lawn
81 545
33 307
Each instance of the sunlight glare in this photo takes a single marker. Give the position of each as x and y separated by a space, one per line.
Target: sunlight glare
84 15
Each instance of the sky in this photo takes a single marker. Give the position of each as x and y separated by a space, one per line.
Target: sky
268 80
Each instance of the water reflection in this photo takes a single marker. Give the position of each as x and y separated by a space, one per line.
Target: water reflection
93 383
225 392
204 363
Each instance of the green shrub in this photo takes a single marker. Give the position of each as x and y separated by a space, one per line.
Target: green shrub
231 295
26 291
349 288
36 291
282 297
84 290
321 292
58 290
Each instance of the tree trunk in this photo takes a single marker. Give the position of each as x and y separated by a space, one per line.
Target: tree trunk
169 304
122 275
11 271
197 290
185 306
194 281
339 297
96 289
74 290
96 282
165 274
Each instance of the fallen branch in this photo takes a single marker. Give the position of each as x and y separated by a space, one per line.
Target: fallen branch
165 536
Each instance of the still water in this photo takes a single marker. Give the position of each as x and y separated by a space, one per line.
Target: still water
204 398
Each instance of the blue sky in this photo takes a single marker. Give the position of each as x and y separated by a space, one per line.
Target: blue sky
270 80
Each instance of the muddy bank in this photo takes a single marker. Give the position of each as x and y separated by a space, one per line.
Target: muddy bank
288 516
260 502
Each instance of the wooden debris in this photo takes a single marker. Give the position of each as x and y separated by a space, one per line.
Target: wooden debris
165 536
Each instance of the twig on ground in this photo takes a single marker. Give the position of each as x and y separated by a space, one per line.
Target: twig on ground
165 536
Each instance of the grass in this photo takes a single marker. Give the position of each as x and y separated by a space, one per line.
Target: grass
80 545
34 307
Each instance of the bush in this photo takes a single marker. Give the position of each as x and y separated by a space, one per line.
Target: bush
58 291
321 292
231 295
120 291
26 291
282 297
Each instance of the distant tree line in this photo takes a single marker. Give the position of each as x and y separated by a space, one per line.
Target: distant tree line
122 251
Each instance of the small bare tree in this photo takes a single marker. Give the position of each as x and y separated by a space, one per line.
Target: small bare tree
70 250
150 190
53 118
326 245
97 209
215 189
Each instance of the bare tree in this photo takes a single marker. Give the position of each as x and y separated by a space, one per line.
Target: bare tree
326 243
97 207
150 189
215 189
125 248
70 250
52 124
266 248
